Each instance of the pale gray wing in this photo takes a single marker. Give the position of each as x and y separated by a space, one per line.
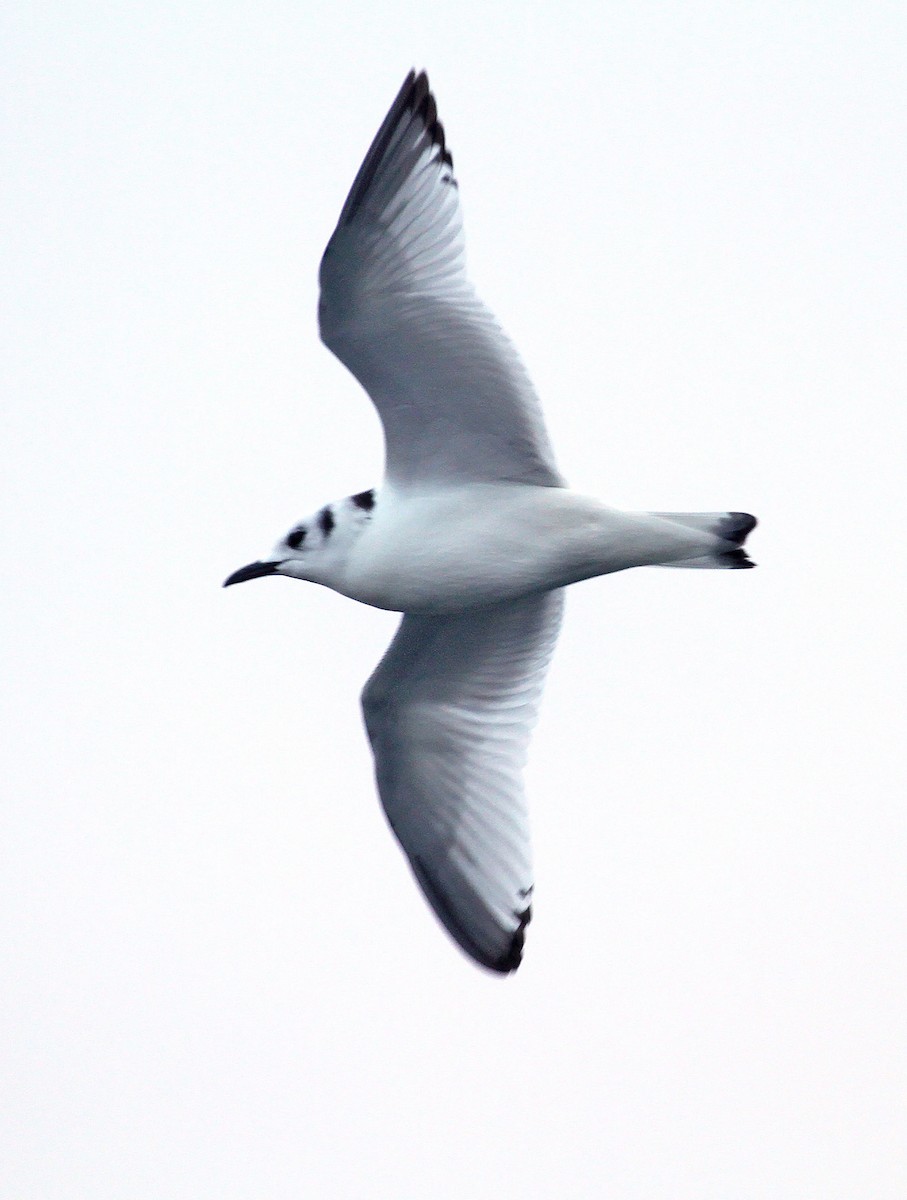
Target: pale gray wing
449 711
397 309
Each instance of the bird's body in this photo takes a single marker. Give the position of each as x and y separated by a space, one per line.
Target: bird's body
472 535
445 550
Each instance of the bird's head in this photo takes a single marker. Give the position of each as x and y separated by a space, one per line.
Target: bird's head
316 548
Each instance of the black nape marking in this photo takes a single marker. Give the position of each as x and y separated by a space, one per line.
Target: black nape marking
326 520
364 500
295 539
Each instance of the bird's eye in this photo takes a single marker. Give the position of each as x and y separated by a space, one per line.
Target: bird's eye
295 539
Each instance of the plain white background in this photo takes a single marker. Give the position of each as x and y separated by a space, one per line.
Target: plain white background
218 979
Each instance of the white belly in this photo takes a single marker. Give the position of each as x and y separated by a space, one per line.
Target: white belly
446 551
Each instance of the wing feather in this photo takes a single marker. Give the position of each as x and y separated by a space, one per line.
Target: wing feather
449 711
398 310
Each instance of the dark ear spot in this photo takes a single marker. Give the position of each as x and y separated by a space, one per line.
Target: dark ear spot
295 539
326 520
364 500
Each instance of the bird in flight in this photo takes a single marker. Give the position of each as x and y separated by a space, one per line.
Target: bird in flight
472 535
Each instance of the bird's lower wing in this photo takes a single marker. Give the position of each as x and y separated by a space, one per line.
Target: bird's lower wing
449 711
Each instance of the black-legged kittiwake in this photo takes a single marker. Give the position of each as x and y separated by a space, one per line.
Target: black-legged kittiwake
472 534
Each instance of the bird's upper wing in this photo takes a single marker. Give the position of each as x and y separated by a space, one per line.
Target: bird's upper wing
449 711
397 309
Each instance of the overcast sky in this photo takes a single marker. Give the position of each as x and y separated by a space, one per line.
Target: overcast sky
218 977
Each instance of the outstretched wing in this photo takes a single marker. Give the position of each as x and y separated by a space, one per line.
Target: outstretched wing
398 310
449 711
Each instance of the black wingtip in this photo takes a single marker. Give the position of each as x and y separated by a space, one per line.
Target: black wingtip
514 956
502 964
419 92
427 108
413 99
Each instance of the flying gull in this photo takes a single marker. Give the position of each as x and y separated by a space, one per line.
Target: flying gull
472 535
